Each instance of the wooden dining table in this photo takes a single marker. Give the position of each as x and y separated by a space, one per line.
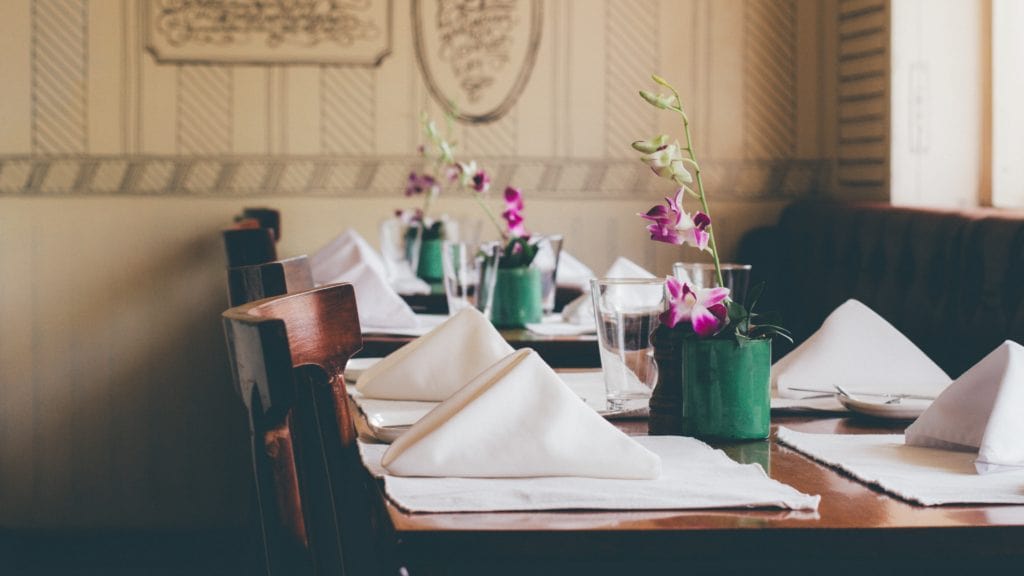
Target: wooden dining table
857 529
558 351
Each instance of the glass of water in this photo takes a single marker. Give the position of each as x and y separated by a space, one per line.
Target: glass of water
702 275
470 272
627 311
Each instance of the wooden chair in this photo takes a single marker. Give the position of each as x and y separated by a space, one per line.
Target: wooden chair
260 218
288 359
249 246
248 283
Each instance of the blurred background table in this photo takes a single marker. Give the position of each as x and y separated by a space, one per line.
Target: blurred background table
558 351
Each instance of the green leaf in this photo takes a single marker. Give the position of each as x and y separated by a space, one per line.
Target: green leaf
736 311
755 295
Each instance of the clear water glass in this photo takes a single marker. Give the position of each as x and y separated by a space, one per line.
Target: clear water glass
549 249
469 275
702 275
627 311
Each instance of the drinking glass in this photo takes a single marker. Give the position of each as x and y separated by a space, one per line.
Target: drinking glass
702 275
393 247
549 248
469 275
627 311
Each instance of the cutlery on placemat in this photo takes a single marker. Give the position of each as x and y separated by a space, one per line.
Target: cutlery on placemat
849 393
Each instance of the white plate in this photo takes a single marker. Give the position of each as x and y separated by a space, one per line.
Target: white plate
905 409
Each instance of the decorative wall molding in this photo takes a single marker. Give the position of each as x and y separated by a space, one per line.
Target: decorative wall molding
60 80
249 176
352 32
476 57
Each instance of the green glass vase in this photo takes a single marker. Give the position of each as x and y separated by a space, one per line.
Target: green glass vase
429 267
517 297
725 388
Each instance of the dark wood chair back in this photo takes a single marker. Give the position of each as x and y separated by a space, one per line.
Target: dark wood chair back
261 218
248 283
249 246
288 358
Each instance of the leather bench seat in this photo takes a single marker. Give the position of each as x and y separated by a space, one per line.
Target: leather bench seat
951 281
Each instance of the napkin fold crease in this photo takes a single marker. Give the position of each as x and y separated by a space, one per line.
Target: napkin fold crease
981 412
859 350
432 367
518 419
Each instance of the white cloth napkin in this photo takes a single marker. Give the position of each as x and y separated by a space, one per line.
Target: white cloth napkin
981 411
858 350
394 417
518 419
432 367
581 310
694 476
572 272
924 475
349 258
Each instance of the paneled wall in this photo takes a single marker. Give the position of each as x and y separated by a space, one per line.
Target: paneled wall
116 172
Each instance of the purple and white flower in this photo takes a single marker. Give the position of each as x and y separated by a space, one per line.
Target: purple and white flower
420 183
667 162
671 224
513 213
703 308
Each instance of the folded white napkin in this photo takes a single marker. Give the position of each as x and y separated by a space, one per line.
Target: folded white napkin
858 350
581 310
349 258
981 412
435 365
572 272
518 419
924 475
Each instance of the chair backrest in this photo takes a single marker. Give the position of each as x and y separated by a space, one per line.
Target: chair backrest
249 246
263 218
248 283
288 358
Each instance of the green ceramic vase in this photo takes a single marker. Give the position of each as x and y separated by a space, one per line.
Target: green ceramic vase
429 267
517 297
726 388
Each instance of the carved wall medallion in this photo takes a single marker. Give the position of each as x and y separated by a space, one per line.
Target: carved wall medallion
476 56
269 31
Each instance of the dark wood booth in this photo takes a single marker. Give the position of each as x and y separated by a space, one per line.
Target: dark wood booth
951 280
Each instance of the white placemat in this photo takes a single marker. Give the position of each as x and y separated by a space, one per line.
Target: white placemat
694 476
926 476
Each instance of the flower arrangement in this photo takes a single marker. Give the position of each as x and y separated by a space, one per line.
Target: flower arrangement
520 247
706 312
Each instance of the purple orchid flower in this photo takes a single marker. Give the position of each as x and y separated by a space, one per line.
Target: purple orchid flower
481 181
671 224
419 183
513 212
704 308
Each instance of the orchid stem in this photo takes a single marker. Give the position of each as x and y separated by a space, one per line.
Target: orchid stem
490 214
703 198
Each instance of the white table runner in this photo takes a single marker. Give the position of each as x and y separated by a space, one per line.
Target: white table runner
923 475
694 476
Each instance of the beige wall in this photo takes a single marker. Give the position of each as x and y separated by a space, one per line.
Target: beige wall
116 173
